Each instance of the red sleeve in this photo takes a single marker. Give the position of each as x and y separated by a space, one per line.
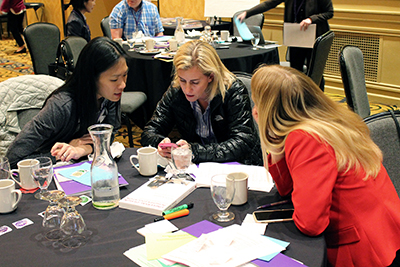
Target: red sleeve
310 170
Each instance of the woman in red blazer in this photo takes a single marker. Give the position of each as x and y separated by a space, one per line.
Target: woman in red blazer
321 153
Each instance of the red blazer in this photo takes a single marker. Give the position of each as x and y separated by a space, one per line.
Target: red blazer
360 219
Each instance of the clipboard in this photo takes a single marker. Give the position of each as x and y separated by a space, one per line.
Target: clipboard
294 37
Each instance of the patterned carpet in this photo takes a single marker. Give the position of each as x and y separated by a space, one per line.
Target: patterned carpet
13 65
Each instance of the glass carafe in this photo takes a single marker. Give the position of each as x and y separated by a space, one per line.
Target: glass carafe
179 33
104 171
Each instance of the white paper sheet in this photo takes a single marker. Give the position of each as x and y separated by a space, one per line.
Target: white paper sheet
293 36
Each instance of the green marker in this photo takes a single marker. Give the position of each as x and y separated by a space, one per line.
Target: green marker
184 206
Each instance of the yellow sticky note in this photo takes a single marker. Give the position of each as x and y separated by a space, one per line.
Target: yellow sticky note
158 244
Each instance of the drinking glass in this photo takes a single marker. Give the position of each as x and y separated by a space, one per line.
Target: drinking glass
53 214
4 168
255 40
131 43
222 192
182 158
72 223
42 172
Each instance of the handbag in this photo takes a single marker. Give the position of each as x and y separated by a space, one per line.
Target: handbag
63 66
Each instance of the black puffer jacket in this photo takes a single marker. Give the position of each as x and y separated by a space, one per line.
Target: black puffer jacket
231 120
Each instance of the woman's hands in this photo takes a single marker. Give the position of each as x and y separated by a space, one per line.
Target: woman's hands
305 23
242 16
166 152
75 149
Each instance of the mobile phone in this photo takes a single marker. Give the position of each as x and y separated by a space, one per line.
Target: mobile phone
165 145
268 216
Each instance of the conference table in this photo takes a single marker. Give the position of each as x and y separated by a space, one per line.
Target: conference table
169 25
113 232
153 76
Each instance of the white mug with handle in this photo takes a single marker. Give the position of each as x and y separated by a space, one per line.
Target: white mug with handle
147 158
26 180
9 196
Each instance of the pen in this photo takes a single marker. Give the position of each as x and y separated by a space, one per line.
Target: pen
173 215
273 204
181 207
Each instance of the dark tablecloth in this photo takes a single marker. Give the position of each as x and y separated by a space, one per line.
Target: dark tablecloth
114 231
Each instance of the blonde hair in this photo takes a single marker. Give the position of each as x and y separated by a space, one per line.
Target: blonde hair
200 54
288 100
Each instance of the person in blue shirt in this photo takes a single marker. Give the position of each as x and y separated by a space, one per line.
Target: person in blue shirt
129 16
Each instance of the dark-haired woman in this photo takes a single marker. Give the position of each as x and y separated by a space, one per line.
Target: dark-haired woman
91 95
76 24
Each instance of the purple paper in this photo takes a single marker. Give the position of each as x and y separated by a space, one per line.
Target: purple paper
279 261
203 227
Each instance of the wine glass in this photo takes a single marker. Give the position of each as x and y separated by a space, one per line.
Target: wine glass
182 158
255 40
222 192
4 168
72 223
131 43
53 214
42 172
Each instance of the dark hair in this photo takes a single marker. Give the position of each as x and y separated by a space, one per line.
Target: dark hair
99 55
77 4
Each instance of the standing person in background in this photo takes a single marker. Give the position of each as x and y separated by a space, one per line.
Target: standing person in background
76 24
209 107
129 16
304 12
15 15
322 155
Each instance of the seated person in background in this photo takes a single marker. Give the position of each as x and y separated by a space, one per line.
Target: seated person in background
76 24
209 107
91 95
321 153
129 16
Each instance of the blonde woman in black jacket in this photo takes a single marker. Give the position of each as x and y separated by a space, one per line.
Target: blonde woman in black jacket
209 107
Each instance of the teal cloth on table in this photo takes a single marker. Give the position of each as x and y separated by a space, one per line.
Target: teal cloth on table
243 30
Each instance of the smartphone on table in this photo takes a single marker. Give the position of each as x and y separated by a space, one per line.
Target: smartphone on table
269 216
166 145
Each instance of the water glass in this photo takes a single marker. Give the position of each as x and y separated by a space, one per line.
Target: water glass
182 159
255 40
222 192
42 172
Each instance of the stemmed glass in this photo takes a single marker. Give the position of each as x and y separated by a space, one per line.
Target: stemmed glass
182 158
222 192
255 40
4 168
131 43
72 223
53 214
42 172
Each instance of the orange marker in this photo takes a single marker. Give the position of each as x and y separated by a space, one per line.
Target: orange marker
173 215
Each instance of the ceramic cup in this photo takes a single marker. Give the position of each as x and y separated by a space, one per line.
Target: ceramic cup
9 196
26 180
150 43
241 187
119 41
225 36
147 158
173 45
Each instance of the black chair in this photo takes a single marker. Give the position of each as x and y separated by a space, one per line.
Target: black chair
385 132
351 62
256 20
319 55
76 44
42 39
105 27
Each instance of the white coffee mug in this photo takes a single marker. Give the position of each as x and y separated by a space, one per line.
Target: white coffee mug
173 45
26 180
147 158
241 188
150 43
119 41
9 196
225 36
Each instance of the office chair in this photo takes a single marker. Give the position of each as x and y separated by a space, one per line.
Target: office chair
319 55
42 39
105 27
351 64
385 132
256 20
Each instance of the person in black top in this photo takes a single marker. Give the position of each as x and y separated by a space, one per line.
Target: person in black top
76 24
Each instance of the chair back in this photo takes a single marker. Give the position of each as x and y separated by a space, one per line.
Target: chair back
385 132
319 55
351 62
76 44
42 39
256 20
105 27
